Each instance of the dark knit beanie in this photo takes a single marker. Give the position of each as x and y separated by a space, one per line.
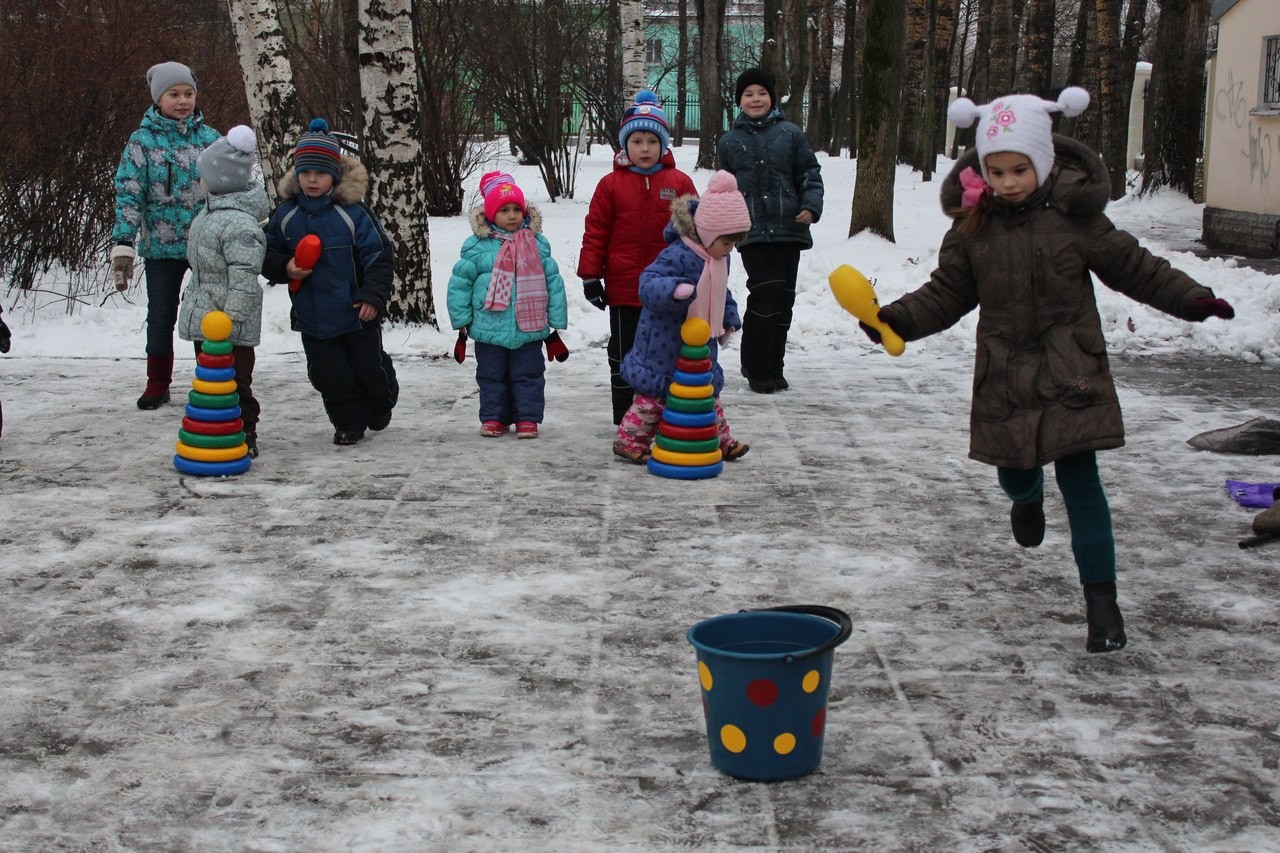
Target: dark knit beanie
754 77
318 151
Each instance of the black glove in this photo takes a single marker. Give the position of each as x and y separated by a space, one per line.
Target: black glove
460 348
884 316
556 348
1199 310
5 337
594 291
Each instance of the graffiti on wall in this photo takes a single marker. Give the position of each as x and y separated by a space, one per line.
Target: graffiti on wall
1229 104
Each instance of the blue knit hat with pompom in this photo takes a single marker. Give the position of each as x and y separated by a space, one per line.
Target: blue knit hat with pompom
645 114
318 151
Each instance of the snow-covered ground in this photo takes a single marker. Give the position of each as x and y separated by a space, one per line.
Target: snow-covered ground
434 641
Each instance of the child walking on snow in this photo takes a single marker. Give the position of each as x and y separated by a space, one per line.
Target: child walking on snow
1028 231
157 196
339 308
225 249
507 294
689 278
625 226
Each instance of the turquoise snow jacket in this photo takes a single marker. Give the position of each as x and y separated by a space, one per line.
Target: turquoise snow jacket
470 282
158 184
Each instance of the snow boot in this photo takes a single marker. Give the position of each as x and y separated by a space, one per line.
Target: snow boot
1027 522
159 375
1106 626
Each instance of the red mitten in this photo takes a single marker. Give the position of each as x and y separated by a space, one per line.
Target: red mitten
1199 310
556 348
460 348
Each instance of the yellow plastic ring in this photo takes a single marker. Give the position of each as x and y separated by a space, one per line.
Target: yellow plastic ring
211 454
204 386
691 392
710 457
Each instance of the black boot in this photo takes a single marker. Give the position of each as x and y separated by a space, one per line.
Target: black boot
1027 521
1106 625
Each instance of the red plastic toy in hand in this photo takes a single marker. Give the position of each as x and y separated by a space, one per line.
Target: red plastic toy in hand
304 258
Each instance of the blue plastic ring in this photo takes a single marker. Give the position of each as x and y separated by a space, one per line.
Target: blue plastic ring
694 379
684 472
213 469
689 419
200 413
215 374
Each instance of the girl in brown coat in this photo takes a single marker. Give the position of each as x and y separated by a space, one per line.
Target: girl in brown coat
1029 230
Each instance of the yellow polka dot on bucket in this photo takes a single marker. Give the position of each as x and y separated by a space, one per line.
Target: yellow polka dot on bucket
764 676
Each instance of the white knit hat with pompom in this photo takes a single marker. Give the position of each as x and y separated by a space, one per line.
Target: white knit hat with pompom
1019 123
226 166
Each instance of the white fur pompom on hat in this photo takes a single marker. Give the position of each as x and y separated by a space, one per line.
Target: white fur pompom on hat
1022 124
242 138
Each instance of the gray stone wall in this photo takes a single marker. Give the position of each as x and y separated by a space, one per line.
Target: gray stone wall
1255 235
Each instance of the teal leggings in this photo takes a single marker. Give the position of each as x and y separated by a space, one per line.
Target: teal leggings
1088 514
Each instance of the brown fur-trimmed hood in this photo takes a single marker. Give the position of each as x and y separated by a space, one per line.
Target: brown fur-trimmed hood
348 189
482 229
682 211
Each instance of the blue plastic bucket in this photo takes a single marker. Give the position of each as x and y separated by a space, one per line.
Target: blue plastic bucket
765 676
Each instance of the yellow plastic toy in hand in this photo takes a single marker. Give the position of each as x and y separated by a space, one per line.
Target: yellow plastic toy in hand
856 295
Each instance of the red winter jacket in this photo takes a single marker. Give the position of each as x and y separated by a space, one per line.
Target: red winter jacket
624 225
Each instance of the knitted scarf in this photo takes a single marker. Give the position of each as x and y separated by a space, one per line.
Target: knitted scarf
974 187
519 266
713 284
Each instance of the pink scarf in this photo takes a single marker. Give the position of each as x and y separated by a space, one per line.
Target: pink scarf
974 187
713 284
519 267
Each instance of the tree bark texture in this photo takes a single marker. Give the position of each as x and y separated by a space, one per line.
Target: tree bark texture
633 65
392 152
710 72
268 84
1172 132
878 124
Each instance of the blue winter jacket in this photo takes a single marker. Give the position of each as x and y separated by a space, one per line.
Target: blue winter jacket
651 363
357 262
470 282
158 184
778 174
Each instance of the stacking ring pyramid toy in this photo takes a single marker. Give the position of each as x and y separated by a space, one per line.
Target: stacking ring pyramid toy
211 441
687 446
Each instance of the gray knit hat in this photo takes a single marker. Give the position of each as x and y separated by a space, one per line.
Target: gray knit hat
163 77
226 166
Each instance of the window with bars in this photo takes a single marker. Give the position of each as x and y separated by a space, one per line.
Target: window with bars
1271 72
653 51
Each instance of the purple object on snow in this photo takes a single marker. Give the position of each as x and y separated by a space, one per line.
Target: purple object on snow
1253 494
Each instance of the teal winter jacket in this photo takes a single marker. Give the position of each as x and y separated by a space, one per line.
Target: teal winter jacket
158 184
470 282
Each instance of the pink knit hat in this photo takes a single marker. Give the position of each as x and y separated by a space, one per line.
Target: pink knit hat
499 189
721 209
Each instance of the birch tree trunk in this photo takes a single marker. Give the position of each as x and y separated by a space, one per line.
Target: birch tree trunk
634 78
392 153
268 84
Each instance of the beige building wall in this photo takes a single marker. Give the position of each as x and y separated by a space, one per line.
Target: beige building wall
1242 139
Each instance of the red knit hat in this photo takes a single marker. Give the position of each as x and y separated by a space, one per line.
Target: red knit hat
721 209
499 189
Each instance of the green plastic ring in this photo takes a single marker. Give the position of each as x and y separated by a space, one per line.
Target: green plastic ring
213 401
212 441
680 404
216 347
695 353
680 445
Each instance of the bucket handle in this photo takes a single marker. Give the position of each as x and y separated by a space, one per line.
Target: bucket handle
830 613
